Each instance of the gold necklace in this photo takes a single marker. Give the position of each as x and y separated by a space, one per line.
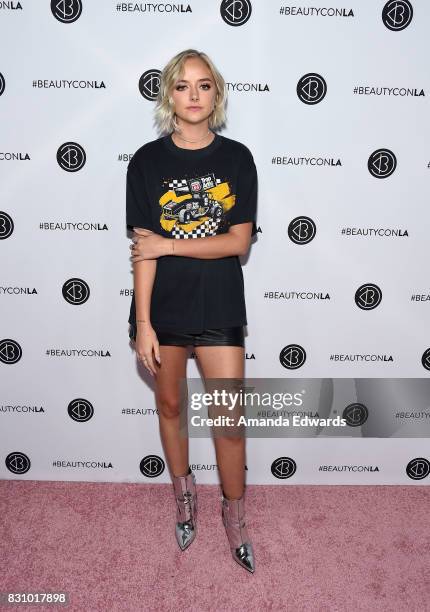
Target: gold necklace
192 141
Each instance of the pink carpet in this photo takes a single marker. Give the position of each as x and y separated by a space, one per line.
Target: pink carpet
317 548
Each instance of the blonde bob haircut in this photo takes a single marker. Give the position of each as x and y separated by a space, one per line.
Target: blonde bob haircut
164 109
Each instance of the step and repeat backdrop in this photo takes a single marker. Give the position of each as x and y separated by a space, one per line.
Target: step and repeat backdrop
332 100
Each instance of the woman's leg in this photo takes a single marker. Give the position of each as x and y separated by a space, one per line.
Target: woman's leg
168 399
226 362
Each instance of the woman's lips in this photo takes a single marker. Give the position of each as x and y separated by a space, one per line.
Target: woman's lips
194 108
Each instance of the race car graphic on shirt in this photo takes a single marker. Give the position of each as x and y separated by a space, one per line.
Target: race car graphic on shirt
195 207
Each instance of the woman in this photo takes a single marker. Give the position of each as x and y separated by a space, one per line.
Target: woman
192 183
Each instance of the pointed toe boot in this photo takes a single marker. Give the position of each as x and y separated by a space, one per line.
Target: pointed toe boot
186 509
233 518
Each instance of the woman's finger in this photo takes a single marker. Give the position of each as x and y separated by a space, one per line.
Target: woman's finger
157 352
141 230
149 362
144 360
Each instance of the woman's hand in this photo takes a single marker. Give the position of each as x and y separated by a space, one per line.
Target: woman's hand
148 245
146 342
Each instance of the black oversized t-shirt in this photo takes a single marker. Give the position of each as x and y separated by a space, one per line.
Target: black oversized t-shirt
183 194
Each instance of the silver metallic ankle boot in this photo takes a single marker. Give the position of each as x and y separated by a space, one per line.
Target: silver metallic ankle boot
186 511
233 518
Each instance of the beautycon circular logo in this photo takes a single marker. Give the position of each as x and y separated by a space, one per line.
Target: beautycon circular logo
152 466
368 296
10 351
418 468
6 225
355 414
311 88
71 157
425 359
235 12
397 14
66 11
80 410
283 467
292 356
302 230
17 463
76 291
382 163
149 84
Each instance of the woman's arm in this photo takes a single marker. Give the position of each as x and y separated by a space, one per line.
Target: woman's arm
143 278
235 242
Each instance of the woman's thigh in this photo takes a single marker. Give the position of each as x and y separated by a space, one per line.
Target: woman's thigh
170 374
221 361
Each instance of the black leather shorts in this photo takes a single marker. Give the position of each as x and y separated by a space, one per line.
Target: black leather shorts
223 336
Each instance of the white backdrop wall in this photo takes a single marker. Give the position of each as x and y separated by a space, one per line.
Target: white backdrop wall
332 100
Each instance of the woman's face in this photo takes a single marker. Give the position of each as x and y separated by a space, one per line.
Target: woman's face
194 92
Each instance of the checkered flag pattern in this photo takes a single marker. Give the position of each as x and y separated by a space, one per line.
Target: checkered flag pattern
208 228
182 185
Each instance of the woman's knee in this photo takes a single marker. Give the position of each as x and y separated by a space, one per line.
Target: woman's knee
169 406
229 438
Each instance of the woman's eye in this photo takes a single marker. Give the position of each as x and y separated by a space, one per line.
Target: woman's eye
206 86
